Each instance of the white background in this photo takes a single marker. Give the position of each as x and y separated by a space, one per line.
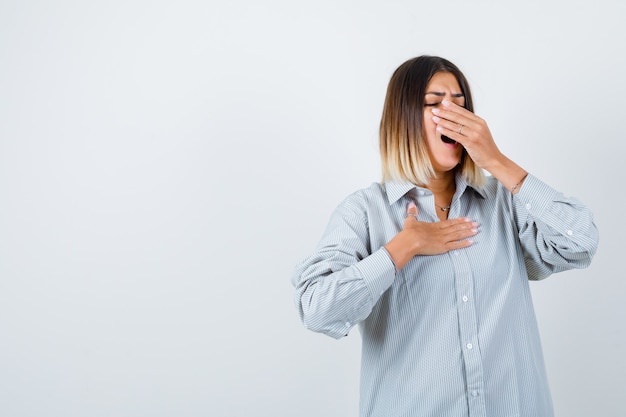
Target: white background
164 166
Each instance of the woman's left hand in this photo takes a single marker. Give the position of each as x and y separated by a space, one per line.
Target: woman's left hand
469 130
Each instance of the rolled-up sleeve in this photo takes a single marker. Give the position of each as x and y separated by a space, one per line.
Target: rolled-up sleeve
337 286
556 232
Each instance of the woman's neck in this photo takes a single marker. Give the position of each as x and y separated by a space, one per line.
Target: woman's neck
443 184
443 188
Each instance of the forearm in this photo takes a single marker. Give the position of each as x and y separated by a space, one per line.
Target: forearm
401 250
507 172
332 296
556 232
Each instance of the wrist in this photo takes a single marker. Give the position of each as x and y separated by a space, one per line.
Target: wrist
510 175
515 188
400 250
496 164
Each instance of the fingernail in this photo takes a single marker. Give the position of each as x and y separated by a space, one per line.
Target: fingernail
476 224
445 103
435 111
436 119
439 128
412 205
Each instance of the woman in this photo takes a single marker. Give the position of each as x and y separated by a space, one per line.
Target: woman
433 263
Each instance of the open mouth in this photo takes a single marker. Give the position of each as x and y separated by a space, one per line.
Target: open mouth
447 139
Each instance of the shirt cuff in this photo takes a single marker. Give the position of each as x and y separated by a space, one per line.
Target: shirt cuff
534 197
378 272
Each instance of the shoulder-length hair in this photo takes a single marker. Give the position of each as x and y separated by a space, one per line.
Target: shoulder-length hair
402 146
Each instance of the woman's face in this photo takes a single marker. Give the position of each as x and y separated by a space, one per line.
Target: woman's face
444 154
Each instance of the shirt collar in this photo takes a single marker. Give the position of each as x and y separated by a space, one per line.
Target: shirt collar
397 189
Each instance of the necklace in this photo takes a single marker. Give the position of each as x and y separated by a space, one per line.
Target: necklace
443 208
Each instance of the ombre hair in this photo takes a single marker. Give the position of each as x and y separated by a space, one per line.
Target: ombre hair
403 151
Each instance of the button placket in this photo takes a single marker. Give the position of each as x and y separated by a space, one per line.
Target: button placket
468 325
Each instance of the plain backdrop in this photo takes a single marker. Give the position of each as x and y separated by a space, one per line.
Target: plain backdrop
165 164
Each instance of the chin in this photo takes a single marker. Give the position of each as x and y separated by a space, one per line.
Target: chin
448 165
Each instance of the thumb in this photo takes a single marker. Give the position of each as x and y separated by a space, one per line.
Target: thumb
411 210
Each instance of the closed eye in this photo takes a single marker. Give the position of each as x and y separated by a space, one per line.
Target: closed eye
431 104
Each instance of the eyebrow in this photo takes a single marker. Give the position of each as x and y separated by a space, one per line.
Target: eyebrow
441 94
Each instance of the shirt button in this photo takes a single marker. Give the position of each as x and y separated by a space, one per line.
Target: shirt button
529 206
474 393
465 298
469 346
569 233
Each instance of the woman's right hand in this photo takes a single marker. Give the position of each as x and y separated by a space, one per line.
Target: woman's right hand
429 238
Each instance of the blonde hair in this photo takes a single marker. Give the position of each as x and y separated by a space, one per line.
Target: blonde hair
403 151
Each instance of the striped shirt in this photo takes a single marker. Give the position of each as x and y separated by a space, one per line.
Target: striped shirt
449 335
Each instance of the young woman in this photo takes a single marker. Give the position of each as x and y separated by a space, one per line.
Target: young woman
433 263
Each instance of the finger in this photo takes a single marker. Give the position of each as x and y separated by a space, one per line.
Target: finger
461 234
445 117
450 125
459 244
454 129
456 114
456 223
456 109
411 210
454 134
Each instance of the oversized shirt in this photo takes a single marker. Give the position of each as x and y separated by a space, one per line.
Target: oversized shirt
449 335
